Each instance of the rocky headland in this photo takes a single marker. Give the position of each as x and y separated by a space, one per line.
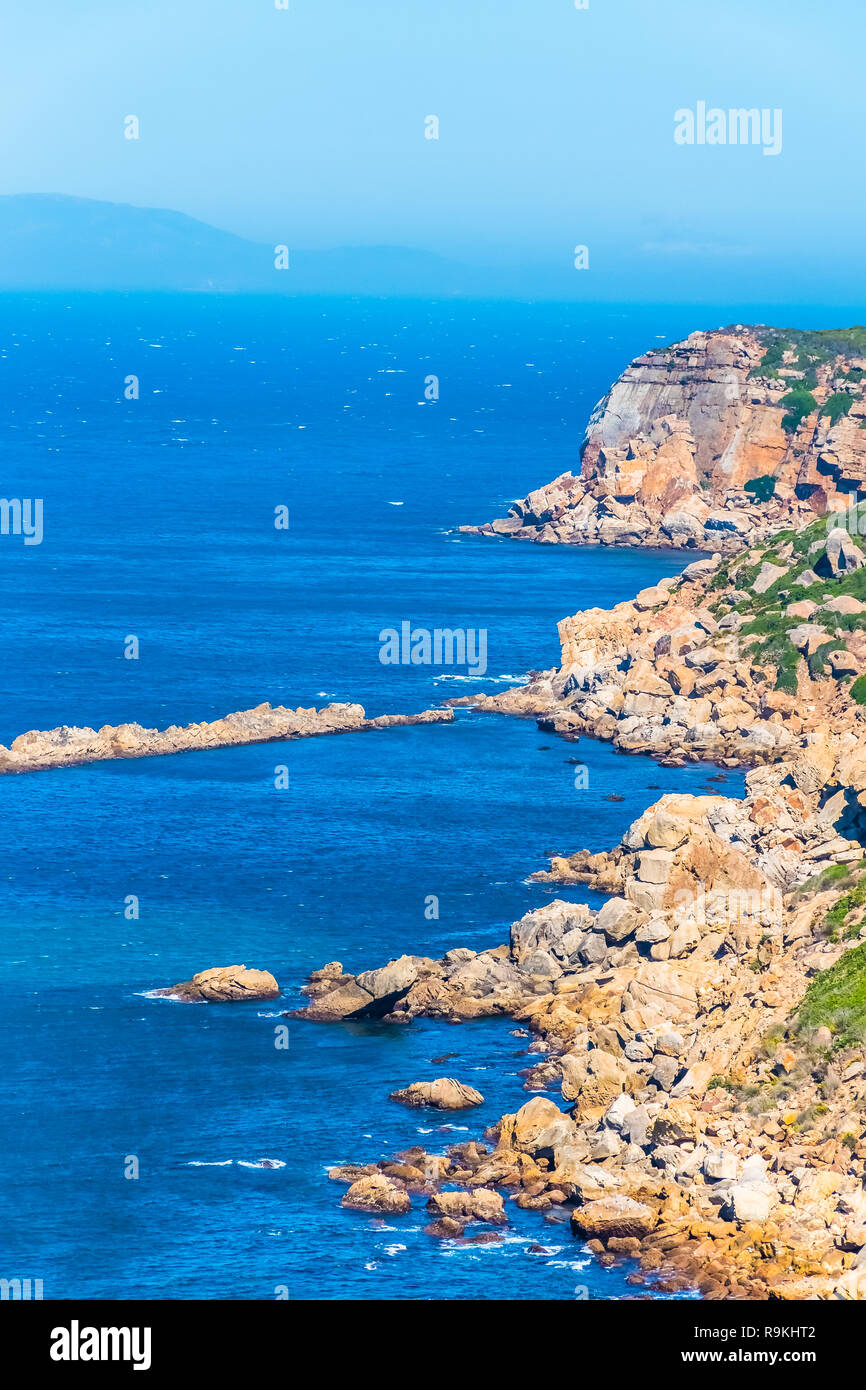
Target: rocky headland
700 1037
67 746
712 443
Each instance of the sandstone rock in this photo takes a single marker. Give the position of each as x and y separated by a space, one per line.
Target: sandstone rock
618 919
223 984
751 1202
479 1205
346 1000
665 1071
377 1193
844 603
617 1216
603 1145
538 1127
390 979
442 1094
767 576
65 746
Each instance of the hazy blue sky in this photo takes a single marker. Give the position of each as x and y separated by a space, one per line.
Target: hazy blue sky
556 128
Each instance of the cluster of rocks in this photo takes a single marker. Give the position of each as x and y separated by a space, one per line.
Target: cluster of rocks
66 746
669 451
648 1015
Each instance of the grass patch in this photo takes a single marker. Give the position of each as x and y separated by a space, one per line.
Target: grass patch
835 876
836 999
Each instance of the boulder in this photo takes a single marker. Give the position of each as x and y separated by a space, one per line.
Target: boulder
613 1216
391 979
442 1094
751 1202
224 984
720 1166
767 576
840 555
618 919
538 1127
557 929
347 1000
377 1193
481 1204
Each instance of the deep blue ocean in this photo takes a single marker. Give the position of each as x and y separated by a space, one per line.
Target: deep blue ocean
158 523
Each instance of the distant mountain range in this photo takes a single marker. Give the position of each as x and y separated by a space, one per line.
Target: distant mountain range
52 242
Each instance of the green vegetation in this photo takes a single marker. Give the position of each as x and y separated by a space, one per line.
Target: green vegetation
836 875
837 405
766 621
818 345
799 403
763 487
772 359
836 999
835 919
816 661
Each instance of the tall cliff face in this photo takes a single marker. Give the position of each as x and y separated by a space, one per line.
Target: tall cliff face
690 440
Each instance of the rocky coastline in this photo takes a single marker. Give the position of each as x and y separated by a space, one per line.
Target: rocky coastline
703 1031
67 746
696 1045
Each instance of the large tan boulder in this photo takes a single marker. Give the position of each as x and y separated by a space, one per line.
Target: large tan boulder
377 1193
538 1126
223 984
613 1216
481 1204
591 1079
442 1094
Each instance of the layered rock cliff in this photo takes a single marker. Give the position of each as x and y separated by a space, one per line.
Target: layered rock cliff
712 443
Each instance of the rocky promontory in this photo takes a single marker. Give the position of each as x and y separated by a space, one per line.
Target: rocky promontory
698 1043
712 443
65 746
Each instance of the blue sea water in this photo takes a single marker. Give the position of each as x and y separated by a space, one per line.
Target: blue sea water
158 523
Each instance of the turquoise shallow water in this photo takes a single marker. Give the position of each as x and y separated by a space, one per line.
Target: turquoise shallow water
158 523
